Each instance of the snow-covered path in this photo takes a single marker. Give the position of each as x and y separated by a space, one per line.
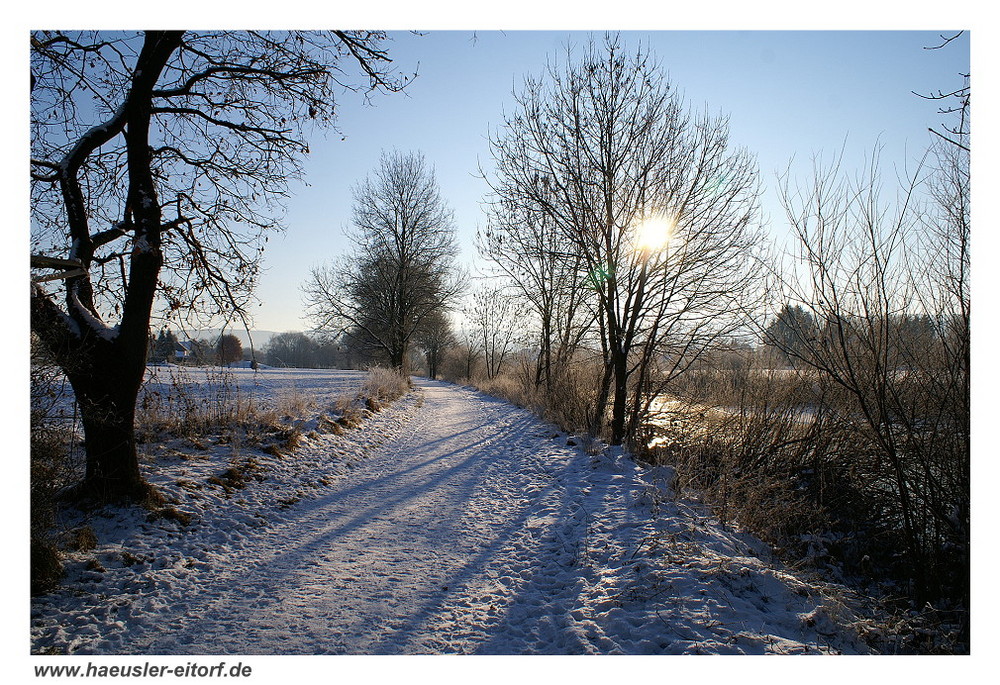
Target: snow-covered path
364 567
470 527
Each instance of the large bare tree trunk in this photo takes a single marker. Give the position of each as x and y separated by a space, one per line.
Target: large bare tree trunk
107 408
106 376
226 115
105 365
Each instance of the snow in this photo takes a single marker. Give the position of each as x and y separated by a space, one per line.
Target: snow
142 245
87 138
450 522
99 327
267 385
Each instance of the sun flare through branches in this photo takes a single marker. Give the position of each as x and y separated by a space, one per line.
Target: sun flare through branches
654 233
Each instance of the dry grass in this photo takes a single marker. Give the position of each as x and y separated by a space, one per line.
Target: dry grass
381 387
294 403
81 539
239 473
46 566
189 412
51 470
223 416
568 401
508 388
783 456
760 462
235 417
348 412
169 513
384 385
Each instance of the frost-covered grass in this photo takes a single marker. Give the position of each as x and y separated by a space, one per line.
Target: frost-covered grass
267 388
232 423
384 385
196 401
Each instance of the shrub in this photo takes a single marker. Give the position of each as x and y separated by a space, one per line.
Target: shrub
51 468
385 385
82 539
567 400
507 388
46 566
570 399
785 455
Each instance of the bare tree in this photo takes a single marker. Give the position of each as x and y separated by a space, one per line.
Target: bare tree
546 274
885 287
402 268
434 337
604 149
955 102
293 349
497 320
461 362
148 150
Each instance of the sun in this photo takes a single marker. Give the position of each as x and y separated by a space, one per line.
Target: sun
654 234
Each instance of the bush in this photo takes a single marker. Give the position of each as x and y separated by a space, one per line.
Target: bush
761 447
385 385
567 401
507 388
46 566
572 395
567 398
51 438
784 455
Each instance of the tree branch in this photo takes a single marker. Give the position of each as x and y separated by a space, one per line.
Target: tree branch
946 138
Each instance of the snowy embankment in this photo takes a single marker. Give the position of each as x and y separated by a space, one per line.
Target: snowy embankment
450 522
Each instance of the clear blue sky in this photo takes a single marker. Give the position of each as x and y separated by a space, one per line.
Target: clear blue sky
789 94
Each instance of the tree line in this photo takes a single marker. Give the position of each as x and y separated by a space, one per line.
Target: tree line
166 347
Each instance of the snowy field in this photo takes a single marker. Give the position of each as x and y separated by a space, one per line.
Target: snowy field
450 522
267 386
